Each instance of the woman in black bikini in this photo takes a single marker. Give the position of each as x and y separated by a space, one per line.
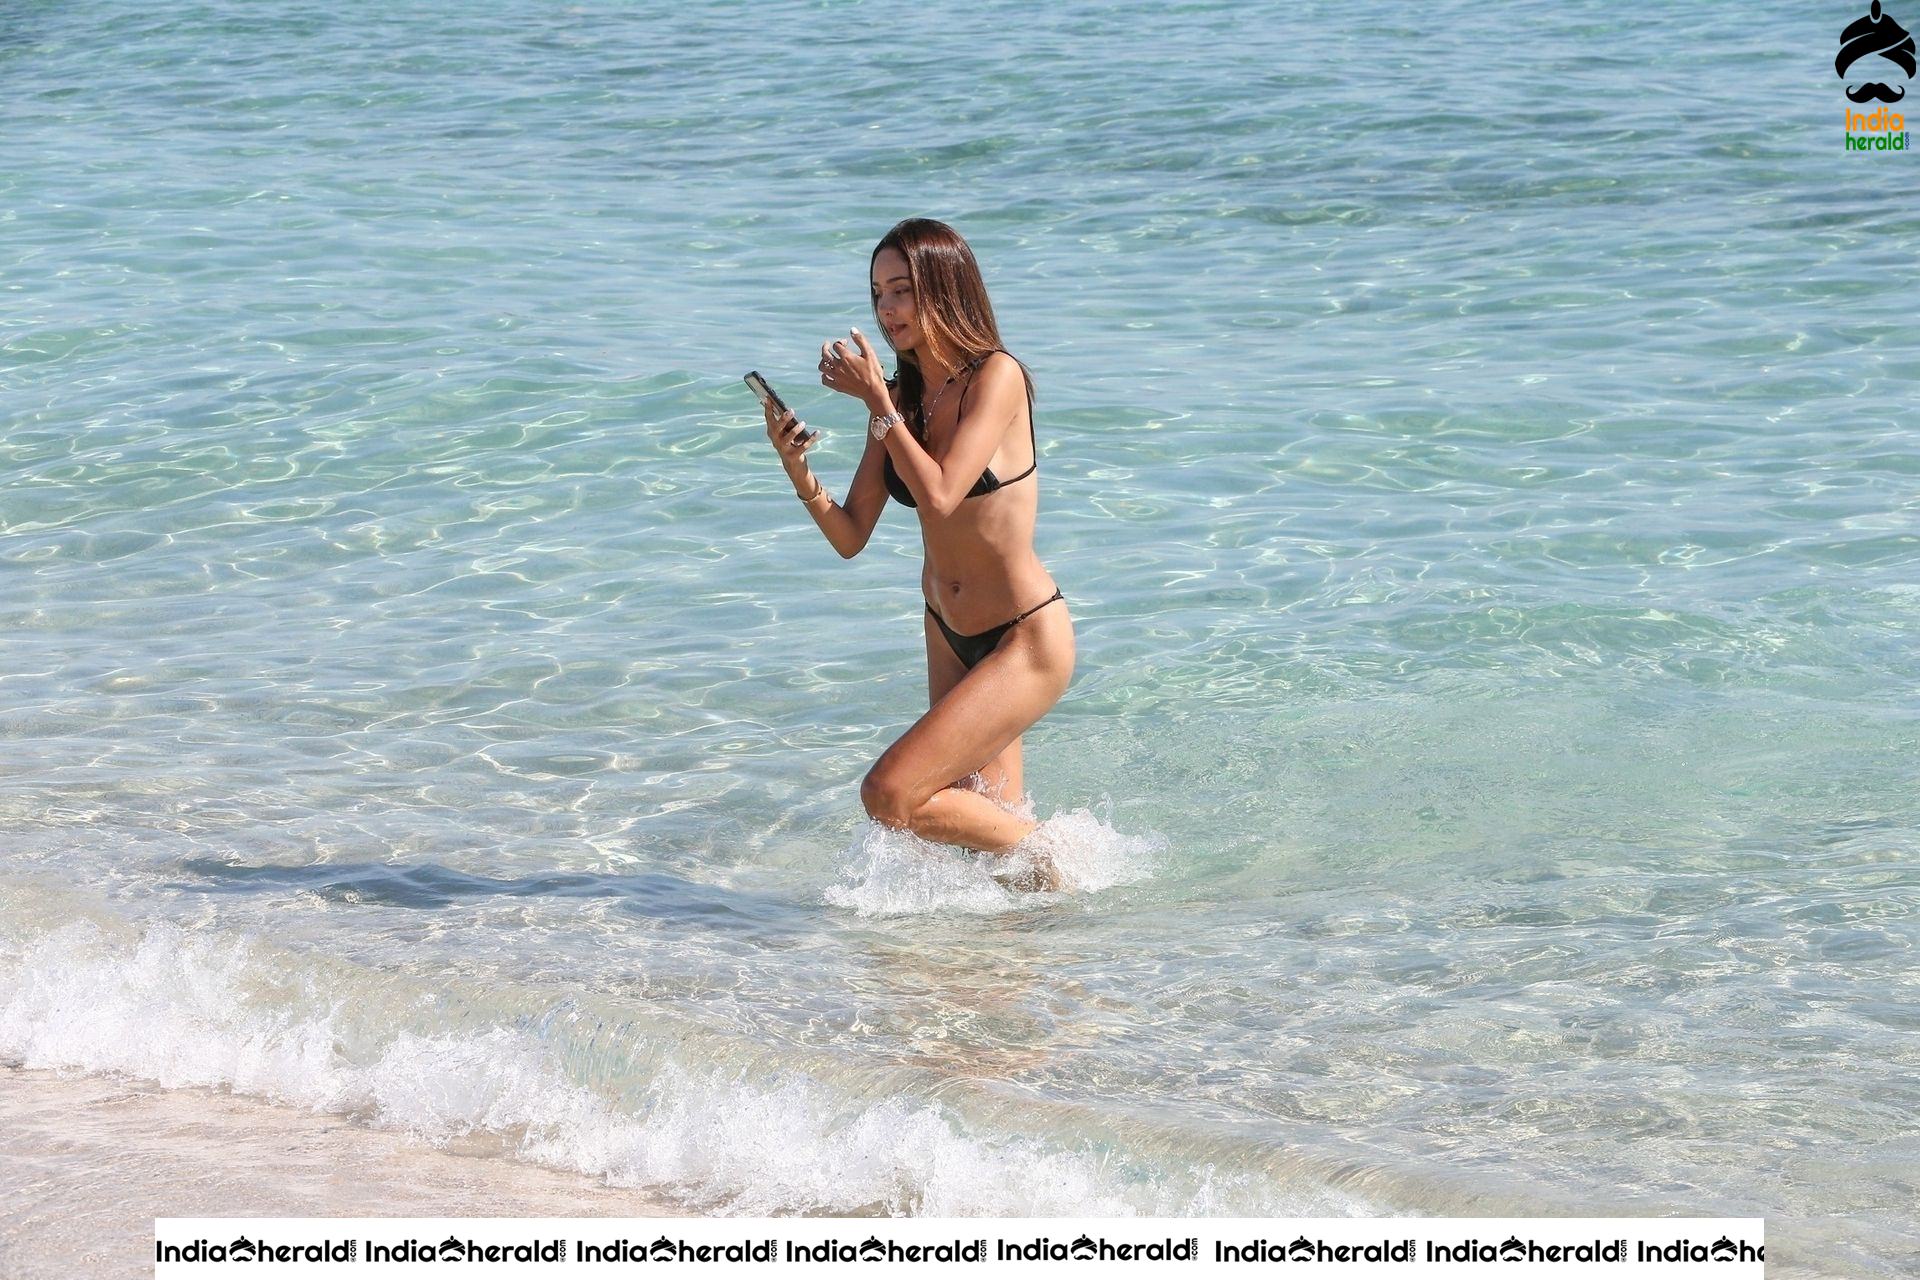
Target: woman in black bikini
940 436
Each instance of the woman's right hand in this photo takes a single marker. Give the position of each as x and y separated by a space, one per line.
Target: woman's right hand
790 438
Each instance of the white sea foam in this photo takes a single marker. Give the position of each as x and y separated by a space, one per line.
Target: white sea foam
885 871
183 1008
167 1006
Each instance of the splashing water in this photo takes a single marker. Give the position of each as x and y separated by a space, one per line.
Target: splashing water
890 872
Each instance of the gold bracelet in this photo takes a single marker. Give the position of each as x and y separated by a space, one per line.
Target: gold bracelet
818 489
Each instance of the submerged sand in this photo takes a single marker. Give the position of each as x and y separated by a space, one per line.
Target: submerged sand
88 1162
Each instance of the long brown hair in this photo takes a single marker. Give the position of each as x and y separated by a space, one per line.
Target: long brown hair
949 300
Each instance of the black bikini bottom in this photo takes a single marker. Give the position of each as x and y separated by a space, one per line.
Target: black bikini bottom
971 649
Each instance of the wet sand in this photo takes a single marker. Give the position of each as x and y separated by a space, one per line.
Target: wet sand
88 1162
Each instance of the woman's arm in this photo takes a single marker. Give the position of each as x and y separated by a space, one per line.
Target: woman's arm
848 527
940 482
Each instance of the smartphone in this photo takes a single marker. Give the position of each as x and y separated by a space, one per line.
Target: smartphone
767 396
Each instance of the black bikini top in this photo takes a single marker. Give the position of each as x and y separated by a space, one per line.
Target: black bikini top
988 481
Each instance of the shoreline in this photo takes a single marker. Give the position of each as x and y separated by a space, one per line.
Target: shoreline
90 1161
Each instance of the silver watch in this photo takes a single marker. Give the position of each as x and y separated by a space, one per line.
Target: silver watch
879 424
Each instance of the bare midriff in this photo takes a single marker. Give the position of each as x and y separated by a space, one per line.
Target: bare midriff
980 565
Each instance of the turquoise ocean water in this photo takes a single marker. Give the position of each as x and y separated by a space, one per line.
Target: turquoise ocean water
1477 443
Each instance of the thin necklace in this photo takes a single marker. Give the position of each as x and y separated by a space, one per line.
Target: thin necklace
926 410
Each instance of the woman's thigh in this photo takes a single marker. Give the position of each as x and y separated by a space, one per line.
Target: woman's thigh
943 668
983 715
1001 775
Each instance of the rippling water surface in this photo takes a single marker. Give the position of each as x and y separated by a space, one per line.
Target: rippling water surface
1477 446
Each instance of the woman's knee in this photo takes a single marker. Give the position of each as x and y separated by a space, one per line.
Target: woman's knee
886 799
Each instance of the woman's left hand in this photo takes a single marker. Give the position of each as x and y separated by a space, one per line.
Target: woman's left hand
853 368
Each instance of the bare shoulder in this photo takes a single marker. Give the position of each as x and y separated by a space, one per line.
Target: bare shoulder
1001 362
1001 375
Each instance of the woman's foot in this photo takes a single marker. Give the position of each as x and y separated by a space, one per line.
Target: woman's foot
1030 865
